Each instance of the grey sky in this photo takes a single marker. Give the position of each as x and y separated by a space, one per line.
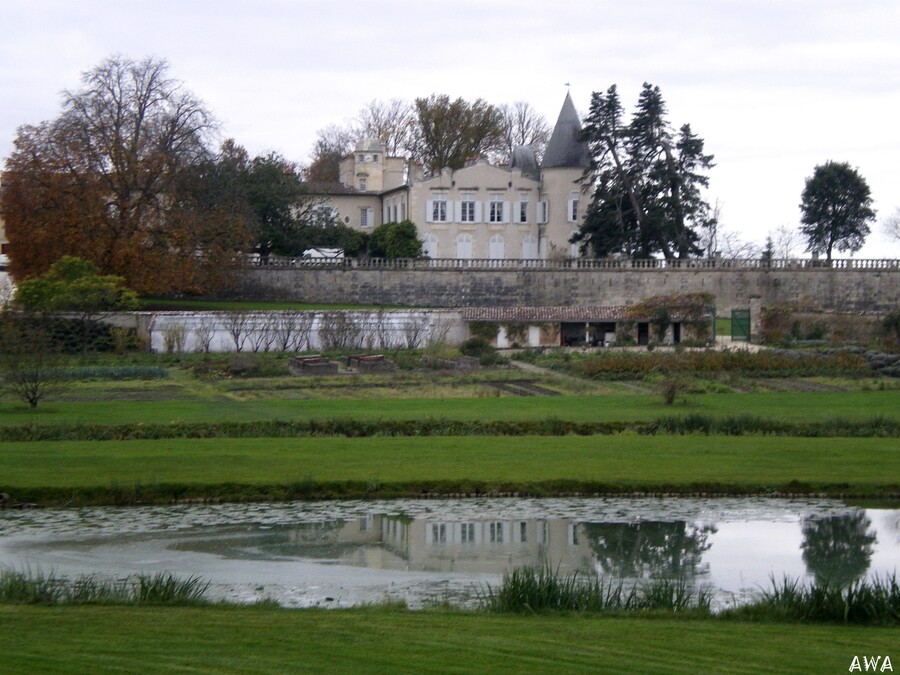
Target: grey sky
773 87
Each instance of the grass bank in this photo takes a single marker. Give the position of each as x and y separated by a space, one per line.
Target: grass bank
787 407
290 468
267 640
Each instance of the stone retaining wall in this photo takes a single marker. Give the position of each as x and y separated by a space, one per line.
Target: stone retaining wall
862 286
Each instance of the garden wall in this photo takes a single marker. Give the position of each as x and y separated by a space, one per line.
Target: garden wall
846 286
296 331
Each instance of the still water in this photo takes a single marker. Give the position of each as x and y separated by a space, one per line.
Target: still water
348 553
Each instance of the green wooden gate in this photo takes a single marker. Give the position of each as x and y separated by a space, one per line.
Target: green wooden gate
740 324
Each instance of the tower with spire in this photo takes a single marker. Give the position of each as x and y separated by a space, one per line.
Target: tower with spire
562 204
521 210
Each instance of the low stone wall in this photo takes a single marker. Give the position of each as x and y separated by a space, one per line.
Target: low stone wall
845 286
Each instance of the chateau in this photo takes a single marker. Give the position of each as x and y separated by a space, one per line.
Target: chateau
525 210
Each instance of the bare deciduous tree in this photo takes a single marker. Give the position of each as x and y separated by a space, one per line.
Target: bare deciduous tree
303 337
261 333
415 329
732 246
891 226
237 324
523 125
787 242
284 330
390 122
203 334
339 331
174 335
332 145
29 360
440 329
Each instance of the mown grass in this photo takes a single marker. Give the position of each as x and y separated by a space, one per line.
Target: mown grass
267 640
266 468
788 407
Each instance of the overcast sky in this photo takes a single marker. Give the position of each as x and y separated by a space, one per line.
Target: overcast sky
774 87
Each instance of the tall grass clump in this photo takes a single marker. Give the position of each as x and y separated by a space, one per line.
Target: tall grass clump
862 602
37 588
537 590
166 589
27 588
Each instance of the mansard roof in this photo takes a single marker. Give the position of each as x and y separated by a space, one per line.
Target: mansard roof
564 149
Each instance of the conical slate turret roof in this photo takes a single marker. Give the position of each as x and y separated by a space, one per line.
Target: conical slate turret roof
564 148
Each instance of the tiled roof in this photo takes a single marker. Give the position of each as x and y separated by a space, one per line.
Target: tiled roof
541 314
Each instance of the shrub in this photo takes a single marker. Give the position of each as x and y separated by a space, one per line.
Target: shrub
485 330
477 347
672 385
890 329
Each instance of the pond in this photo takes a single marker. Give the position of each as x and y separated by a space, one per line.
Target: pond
341 554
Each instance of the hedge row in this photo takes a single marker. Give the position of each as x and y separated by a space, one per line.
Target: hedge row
877 426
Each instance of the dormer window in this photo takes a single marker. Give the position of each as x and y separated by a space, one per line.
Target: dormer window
362 184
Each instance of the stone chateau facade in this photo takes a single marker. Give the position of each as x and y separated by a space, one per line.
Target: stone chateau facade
525 210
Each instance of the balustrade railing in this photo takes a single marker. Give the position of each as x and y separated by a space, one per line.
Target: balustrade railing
721 264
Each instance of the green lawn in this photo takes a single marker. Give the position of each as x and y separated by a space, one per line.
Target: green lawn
627 461
257 640
794 406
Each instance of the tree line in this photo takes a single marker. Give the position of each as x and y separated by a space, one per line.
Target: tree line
129 176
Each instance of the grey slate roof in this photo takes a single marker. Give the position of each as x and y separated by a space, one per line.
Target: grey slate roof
523 159
564 148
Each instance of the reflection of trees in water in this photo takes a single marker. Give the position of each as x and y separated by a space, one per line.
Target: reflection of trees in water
838 548
649 548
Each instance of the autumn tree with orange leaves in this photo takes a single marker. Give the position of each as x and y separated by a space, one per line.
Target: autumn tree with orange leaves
114 180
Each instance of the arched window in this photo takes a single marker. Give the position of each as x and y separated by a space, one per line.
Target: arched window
497 248
464 247
430 246
530 247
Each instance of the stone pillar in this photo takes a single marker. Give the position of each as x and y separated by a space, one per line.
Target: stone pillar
755 310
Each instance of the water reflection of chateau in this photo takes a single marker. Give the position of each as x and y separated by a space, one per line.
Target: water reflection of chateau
834 546
491 546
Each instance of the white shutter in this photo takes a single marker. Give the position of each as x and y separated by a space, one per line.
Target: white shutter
507 213
429 211
477 211
459 211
